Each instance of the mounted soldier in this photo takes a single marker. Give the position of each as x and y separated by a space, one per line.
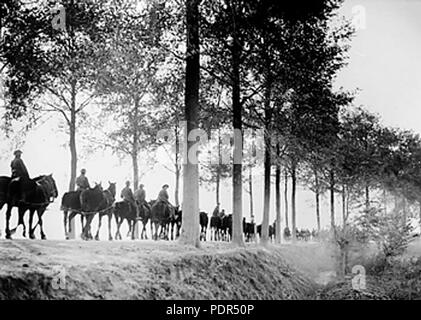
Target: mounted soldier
82 182
216 211
163 195
140 197
18 167
21 183
127 195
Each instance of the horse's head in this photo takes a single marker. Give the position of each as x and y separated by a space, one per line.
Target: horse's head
49 185
98 187
112 188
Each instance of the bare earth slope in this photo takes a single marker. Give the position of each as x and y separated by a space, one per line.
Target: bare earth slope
155 270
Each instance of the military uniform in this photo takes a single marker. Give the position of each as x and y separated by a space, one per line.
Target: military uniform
216 212
20 176
82 182
140 195
127 195
19 169
163 196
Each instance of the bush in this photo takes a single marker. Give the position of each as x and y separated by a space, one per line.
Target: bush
391 232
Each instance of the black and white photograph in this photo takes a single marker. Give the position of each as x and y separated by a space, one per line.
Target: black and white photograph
210 150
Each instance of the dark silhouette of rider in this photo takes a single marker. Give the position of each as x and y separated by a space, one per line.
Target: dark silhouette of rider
20 175
140 197
127 195
82 182
18 167
216 211
163 194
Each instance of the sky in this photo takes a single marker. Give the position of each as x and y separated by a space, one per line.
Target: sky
385 65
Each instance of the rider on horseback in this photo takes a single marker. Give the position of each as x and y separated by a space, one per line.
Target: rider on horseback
163 195
216 211
18 167
140 197
20 176
127 195
82 181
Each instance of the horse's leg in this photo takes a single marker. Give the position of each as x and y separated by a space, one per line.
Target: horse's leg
82 219
8 215
133 229
130 228
69 223
21 213
143 231
65 215
155 231
151 223
119 221
31 219
110 216
85 229
89 224
41 224
99 227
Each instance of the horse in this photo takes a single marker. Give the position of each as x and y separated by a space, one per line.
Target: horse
249 230
226 227
271 231
124 211
161 214
42 192
144 216
215 225
203 220
71 202
93 201
4 187
109 195
175 223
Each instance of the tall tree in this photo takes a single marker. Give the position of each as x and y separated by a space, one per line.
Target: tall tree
190 227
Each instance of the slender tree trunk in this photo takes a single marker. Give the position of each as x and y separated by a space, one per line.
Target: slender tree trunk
278 229
268 152
190 226
286 197
135 157
316 179
404 207
367 197
419 201
385 201
177 165
237 176
293 203
266 194
332 200
73 152
251 193
218 171
344 204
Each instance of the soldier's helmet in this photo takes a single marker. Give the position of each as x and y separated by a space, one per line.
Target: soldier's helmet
17 152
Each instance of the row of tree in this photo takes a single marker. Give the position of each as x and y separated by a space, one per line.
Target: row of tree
123 69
